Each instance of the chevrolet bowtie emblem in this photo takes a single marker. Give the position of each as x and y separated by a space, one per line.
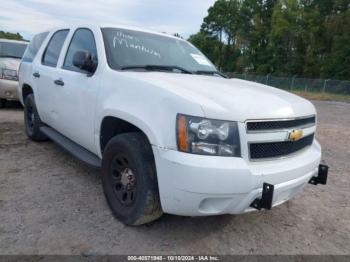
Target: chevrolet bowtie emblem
295 135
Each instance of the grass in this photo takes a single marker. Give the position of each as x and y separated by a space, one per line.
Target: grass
323 96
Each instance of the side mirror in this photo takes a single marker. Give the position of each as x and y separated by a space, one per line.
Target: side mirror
84 61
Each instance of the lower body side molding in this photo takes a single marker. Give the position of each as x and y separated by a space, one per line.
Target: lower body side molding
265 202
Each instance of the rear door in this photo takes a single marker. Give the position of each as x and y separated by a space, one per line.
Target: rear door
44 74
76 92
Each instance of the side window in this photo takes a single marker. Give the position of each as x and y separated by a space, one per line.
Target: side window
82 40
34 47
54 47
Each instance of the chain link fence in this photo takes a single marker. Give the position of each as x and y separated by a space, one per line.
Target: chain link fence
295 83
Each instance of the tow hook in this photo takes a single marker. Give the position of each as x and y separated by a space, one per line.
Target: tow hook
321 178
265 202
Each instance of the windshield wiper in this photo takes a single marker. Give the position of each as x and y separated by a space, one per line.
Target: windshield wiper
158 68
203 72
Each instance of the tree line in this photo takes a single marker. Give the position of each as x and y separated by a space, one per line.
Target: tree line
11 36
281 37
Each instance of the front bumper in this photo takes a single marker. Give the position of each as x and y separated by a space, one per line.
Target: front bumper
8 89
267 196
194 185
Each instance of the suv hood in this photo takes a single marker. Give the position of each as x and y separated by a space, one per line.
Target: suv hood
10 63
230 99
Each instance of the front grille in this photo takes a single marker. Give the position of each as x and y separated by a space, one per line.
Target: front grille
280 124
278 149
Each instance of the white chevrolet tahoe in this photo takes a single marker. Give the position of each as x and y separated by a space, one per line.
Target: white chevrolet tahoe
169 131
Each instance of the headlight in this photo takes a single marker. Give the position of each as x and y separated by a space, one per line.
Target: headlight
203 136
8 74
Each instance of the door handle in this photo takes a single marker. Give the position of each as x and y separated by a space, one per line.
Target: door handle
59 82
36 75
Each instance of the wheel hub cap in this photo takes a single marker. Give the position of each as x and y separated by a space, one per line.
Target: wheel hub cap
123 181
127 177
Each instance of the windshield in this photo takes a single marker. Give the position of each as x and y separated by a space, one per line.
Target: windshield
15 50
126 49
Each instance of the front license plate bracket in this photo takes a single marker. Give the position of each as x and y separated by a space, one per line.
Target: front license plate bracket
321 177
265 202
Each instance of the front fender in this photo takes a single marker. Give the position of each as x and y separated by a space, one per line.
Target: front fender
156 118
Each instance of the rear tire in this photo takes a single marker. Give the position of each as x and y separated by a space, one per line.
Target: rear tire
3 102
32 120
129 179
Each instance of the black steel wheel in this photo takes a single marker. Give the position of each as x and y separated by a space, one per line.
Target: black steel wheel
123 180
32 120
129 179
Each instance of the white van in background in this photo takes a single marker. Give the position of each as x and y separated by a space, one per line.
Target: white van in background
11 52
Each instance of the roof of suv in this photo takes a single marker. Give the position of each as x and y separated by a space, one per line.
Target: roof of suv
114 26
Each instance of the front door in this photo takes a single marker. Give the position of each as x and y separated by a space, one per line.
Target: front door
76 92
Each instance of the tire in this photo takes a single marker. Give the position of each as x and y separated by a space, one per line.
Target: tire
3 102
32 120
129 179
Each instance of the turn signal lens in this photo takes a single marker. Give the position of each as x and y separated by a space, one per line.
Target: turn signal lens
182 133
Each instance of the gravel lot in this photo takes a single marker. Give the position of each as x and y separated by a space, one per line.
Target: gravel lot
52 204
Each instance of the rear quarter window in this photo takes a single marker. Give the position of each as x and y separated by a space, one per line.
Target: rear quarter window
53 49
34 47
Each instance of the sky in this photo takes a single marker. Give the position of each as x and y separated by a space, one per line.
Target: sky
29 17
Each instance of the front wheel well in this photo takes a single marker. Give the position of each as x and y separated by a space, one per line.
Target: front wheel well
26 90
113 126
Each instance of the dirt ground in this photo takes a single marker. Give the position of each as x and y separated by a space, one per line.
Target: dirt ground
52 204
